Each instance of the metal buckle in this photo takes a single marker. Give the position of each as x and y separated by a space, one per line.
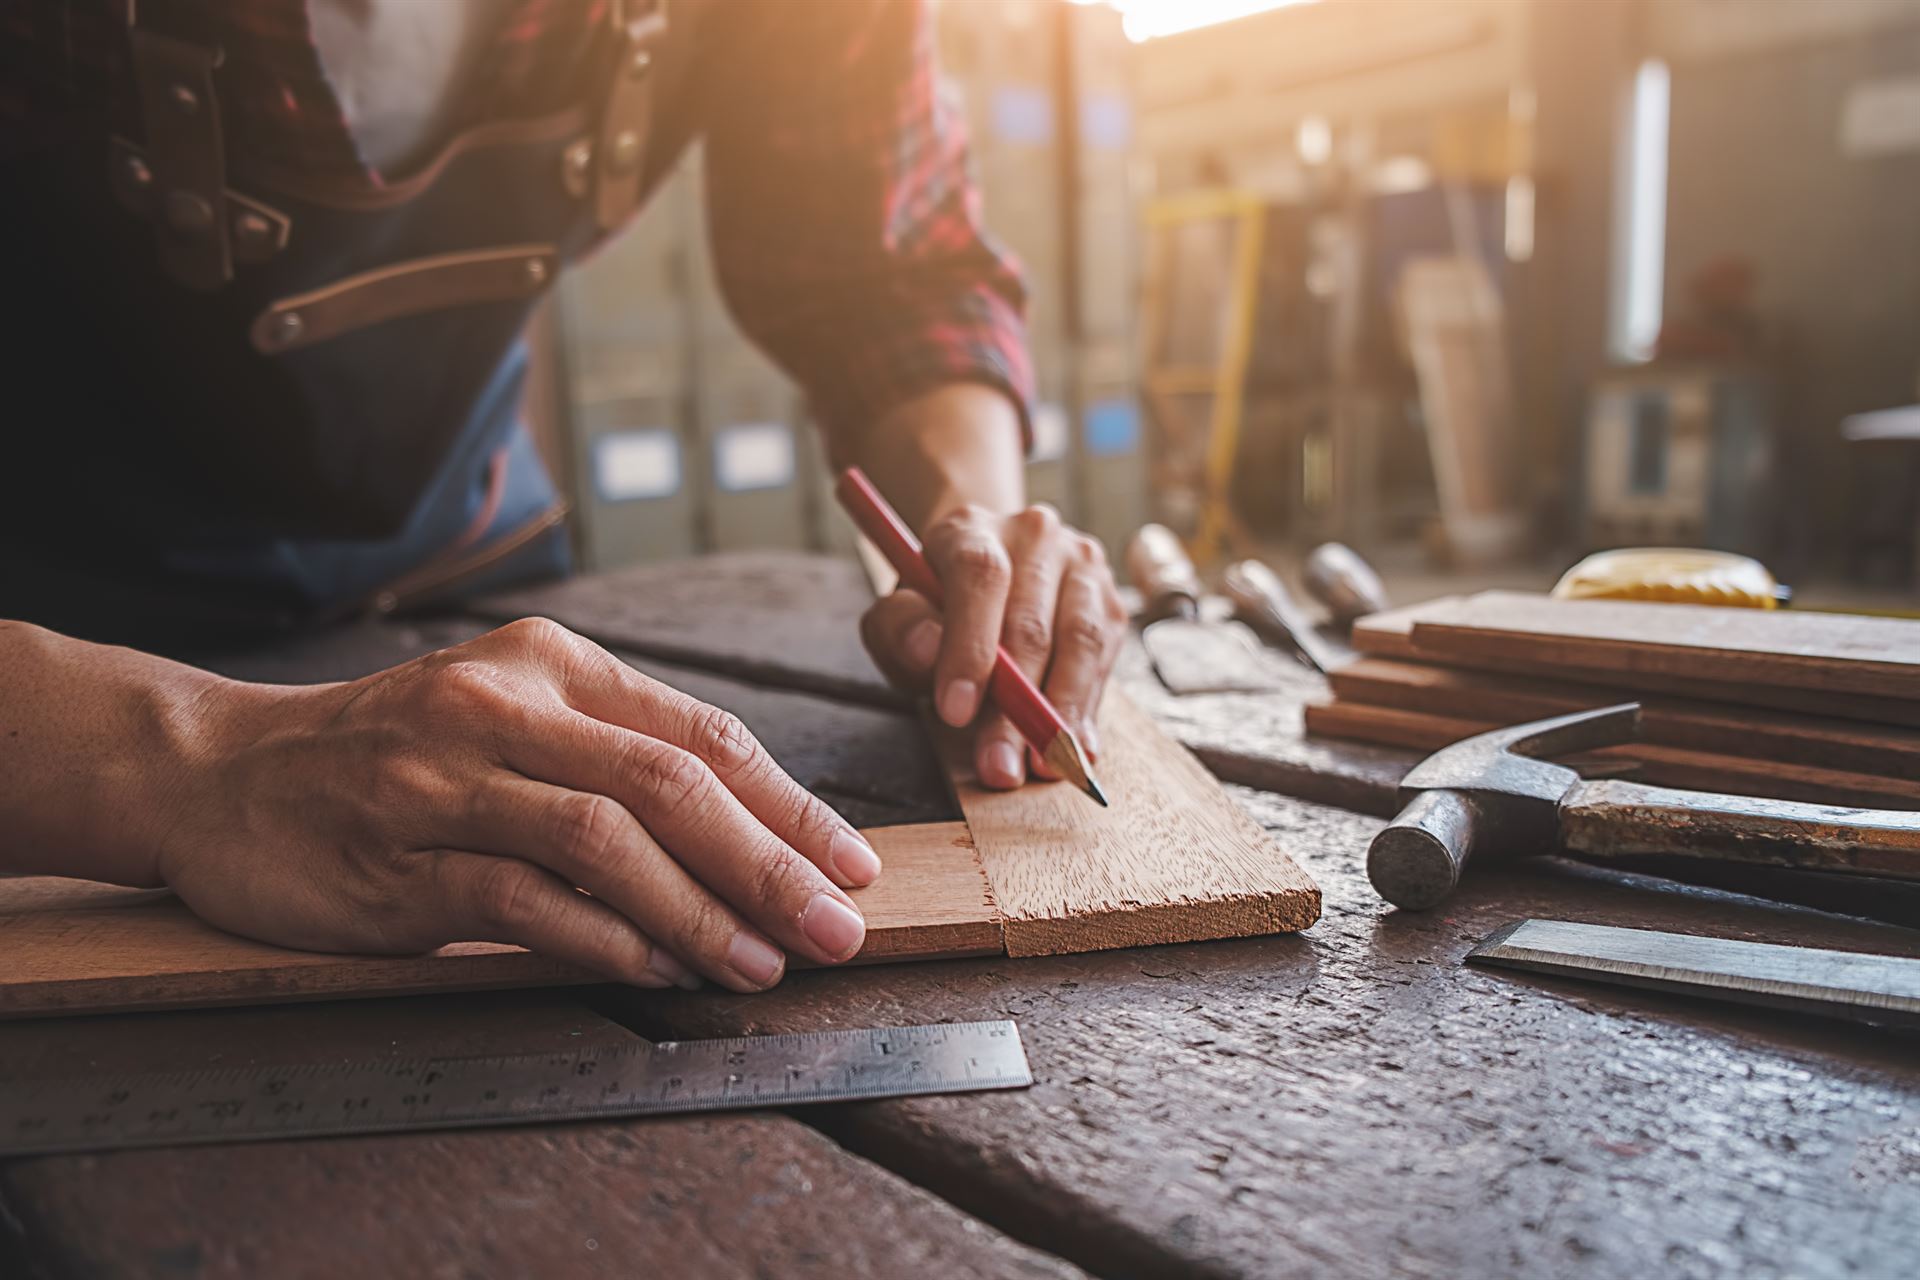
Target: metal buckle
255 231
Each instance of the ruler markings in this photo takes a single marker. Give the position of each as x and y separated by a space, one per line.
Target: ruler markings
55 1115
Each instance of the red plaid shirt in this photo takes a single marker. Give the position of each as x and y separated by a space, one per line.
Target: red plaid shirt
846 232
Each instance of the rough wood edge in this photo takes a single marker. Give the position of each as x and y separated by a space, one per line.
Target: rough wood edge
1284 910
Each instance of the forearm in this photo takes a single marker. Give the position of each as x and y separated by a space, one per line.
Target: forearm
92 742
958 445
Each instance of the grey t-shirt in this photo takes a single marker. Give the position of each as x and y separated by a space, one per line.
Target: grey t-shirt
402 69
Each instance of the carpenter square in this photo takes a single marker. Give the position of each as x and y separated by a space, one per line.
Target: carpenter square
251 1104
1831 984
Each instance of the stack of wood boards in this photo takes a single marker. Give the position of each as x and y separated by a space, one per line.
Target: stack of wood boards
1800 706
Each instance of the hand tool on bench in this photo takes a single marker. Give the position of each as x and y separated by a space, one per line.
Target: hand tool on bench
1834 984
1264 601
258 1103
1340 579
1189 655
1035 717
1494 794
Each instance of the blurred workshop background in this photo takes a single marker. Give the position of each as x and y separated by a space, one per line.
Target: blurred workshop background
1474 286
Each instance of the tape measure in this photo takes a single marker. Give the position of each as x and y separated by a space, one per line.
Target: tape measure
1672 575
254 1104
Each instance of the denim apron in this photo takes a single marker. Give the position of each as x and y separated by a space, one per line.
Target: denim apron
249 402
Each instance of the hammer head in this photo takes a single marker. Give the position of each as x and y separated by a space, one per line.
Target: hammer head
1492 792
1504 767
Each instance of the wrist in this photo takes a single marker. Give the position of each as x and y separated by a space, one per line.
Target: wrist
959 445
200 728
172 726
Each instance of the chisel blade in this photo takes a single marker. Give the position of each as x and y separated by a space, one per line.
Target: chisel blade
1208 657
1858 986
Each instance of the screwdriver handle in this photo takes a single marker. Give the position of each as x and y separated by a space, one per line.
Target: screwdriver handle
1161 569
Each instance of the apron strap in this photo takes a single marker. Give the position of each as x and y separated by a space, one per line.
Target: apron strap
185 164
639 28
178 180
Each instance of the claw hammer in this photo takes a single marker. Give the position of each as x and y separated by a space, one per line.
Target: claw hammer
1493 794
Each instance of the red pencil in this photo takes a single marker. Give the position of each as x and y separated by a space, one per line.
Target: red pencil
1039 723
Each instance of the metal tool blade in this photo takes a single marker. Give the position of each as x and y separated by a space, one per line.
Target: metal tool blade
1835 984
1208 657
250 1104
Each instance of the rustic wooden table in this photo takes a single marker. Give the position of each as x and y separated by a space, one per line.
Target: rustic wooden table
1350 1101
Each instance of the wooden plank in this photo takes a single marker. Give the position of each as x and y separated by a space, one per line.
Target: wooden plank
932 900
1392 635
732 1195
1102 869
1820 652
1667 766
77 947
1174 860
1824 742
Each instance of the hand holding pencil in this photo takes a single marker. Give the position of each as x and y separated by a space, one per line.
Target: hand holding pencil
1009 688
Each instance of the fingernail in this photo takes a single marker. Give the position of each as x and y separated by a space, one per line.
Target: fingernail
956 702
754 960
833 926
1090 737
854 858
672 970
923 644
1002 765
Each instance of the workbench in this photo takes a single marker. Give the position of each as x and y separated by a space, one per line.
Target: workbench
1348 1101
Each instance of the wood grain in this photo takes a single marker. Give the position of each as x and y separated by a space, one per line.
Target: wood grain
1821 741
1821 652
1393 635
1174 859
1667 766
77 947
932 900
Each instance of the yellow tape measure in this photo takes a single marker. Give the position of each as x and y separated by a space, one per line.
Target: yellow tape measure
1672 575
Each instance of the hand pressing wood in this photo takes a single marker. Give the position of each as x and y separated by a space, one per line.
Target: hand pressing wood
1030 872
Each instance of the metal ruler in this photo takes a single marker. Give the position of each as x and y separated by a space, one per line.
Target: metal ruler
1833 984
251 1104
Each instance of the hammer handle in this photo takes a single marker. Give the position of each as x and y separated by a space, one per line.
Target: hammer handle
1614 818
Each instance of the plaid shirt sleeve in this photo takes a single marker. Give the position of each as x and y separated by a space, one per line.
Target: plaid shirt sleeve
846 230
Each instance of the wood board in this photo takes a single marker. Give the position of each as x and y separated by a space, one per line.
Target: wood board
1393 634
1665 766
1820 652
1173 860
1824 742
72 946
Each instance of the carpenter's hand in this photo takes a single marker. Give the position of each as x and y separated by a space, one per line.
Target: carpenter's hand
471 795
1027 581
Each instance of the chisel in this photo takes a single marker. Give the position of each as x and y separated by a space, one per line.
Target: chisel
1189 655
1854 985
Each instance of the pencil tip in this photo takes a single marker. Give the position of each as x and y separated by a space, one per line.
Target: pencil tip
1070 762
